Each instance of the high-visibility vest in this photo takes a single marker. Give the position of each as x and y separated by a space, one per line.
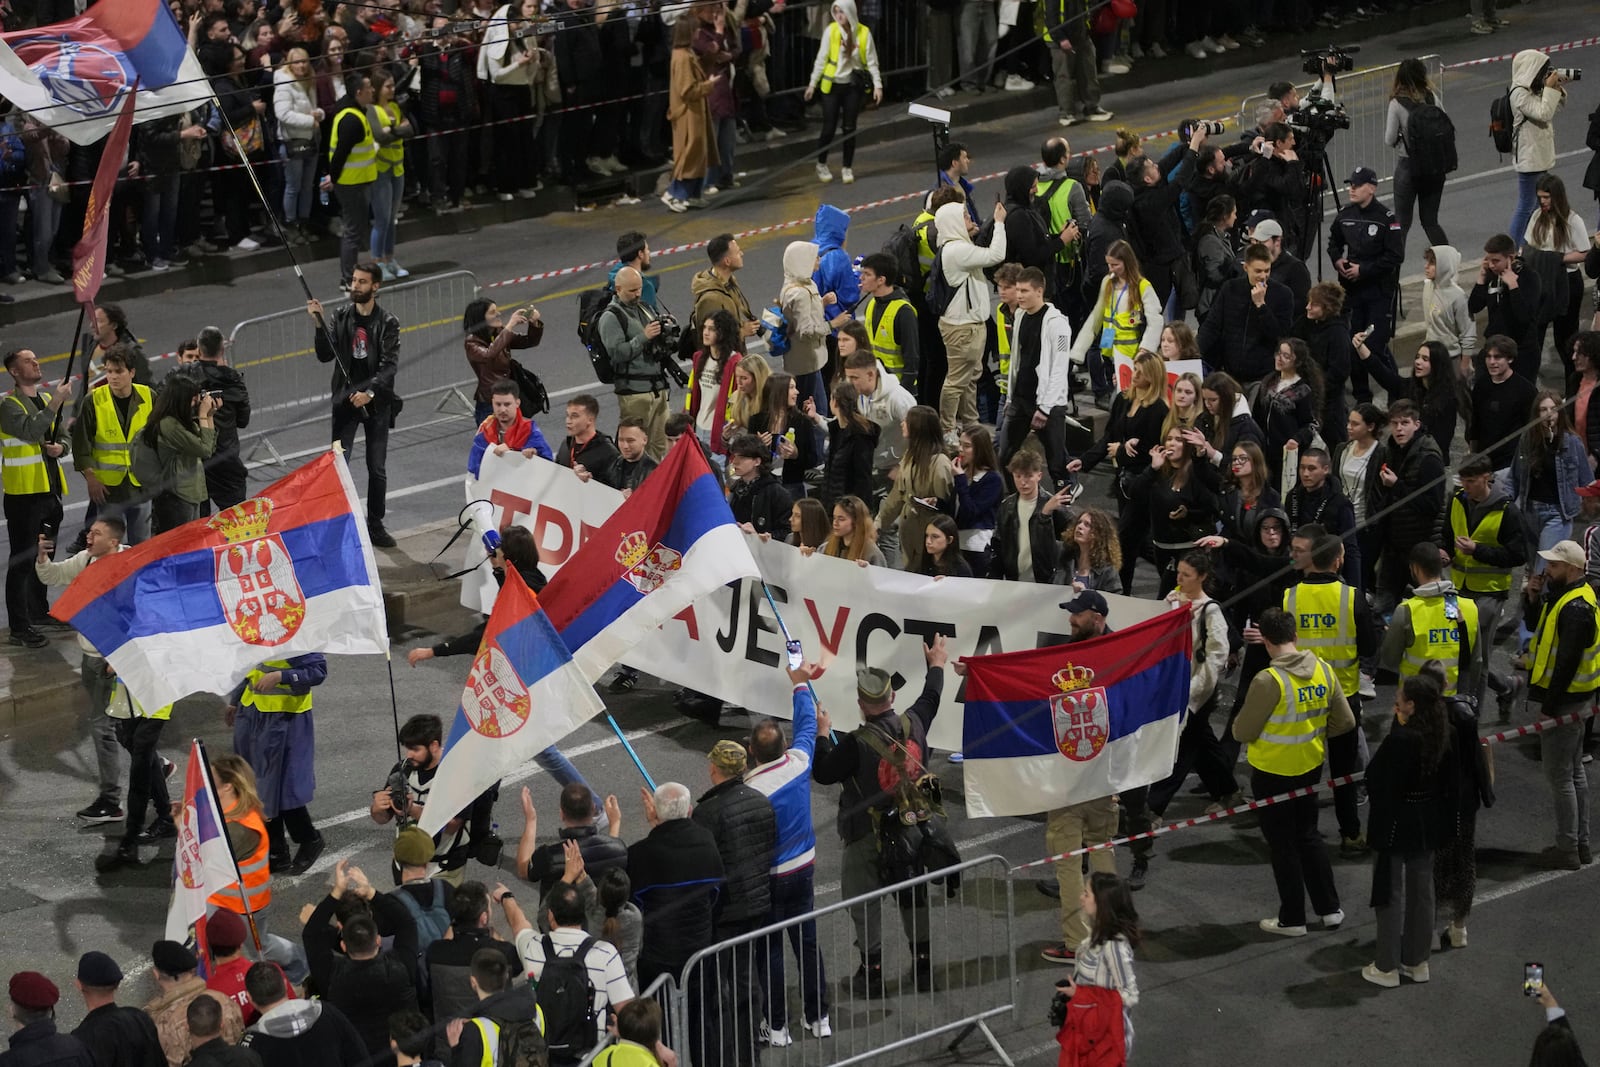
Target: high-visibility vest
392 156
489 1037
279 699
1058 203
835 41
1002 344
1434 635
122 706
1325 622
22 463
1127 325
926 245
110 444
361 165
1587 678
884 343
1291 742
255 877
1466 572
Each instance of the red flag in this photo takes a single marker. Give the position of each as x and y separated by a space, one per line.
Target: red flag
89 254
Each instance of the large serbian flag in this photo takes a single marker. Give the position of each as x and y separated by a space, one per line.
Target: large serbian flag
1056 726
524 694
286 572
669 544
201 861
73 75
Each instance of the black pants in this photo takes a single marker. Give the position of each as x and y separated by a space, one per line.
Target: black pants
1344 757
297 823
27 514
1300 862
1015 426
1565 324
447 161
1370 305
1198 750
226 481
1410 192
374 420
355 212
1133 529
1134 817
513 141
168 511
147 785
842 104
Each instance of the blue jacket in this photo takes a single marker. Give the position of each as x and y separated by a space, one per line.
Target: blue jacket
1572 470
786 781
835 271
941 178
649 293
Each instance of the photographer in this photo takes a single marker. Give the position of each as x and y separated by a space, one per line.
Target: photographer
1157 229
1367 246
406 794
1538 91
1275 181
631 330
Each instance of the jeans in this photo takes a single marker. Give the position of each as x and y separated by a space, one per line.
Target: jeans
355 211
1561 749
447 164
158 225
1066 829
103 728
386 194
147 785
727 137
686 188
1527 200
27 514
839 109
1405 923
958 399
975 42
1300 863
45 215
793 895
299 186
1546 518
1489 608
374 419
1408 192
169 511
555 763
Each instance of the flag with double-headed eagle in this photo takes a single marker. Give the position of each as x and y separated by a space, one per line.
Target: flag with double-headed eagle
286 572
670 543
1049 727
201 861
522 695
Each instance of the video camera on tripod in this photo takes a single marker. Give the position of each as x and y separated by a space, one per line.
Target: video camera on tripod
1316 120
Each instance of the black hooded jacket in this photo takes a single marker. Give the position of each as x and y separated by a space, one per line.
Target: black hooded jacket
1028 241
1110 224
1156 225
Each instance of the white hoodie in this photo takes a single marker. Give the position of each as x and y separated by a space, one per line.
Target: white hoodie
849 61
1055 358
1533 139
1445 303
964 263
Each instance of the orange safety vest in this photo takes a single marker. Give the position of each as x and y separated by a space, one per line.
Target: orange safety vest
252 870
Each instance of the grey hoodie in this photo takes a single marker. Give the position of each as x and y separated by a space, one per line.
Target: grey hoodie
886 407
1448 320
305 1033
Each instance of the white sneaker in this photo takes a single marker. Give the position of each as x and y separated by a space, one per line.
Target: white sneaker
1272 926
1195 49
1419 973
1386 979
1099 114
615 165
596 164
1068 120
1228 43
1114 66
1016 83
1210 44
1155 51
528 192
1368 689
778 1038
673 204
820 1028
945 92
1457 935
710 190
1333 921
776 134
504 198
847 176
249 244
823 173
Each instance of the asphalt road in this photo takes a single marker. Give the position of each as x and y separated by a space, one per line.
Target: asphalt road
1215 990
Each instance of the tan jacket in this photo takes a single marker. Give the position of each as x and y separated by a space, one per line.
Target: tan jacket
1262 699
170 1014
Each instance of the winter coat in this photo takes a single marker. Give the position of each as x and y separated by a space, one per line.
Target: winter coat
835 271
847 471
676 872
762 502
1329 342
1444 305
712 294
491 360
1028 242
844 759
1216 263
294 103
741 822
39 1044
887 407
802 306
1416 465
690 115
1199 503
1239 337
1533 107
304 1033
914 484
1440 408
1411 806
1289 269
964 263
1109 225
1157 229
1283 415
169 1012
1044 540
717 52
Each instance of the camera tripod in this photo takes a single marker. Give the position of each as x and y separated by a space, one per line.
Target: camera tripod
1320 182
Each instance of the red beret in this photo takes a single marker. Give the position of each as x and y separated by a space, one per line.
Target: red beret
224 931
32 990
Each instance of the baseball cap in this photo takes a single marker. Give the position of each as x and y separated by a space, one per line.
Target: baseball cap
1256 218
1567 552
1592 490
1088 600
728 757
1362 176
873 685
1267 228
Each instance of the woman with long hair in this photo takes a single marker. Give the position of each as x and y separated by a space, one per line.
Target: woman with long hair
1455 865
623 925
1352 463
711 380
507 62
1289 403
1104 959
926 474
854 535
782 428
1092 554
1134 428
1183 407
1326 333
1413 90
1215 256
1225 421
808 523
1434 386
1550 465
390 128
846 70
852 440
330 76
489 341
1582 393
177 439
1249 490
1127 147
749 389
979 489
689 111
1555 227
294 103
248 841
1411 787
1126 315
941 550
1178 342
1183 507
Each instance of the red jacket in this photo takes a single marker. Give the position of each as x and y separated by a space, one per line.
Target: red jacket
1093 1036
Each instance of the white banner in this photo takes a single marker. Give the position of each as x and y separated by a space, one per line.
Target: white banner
846 616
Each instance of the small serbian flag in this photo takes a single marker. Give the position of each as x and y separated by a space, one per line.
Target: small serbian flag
74 75
1055 726
523 695
288 571
201 862
669 544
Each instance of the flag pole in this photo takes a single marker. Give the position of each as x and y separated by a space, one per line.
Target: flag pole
72 358
628 748
394 702
773 604
211 783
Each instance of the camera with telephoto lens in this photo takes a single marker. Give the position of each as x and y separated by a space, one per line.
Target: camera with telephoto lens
1316 121
1318 61
399 790
1209 127
663 348
1571 74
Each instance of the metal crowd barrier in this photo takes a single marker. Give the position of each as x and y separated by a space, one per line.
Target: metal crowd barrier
664 991
289 389
1365 96
972 940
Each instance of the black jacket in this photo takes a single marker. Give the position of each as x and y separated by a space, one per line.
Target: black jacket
1215 263
1028 240
1292 271
366 991
375 373
1418 465
847 471
1329 342
311 1033
449 961
516 1003
853 764
1517 313
1110 224
120 1036
1512 551
677 876
1278 186
1412 805
1044 539
599 457
1157 229
218 1053
601 852
763 502
1239 337
1331 509
741 822
234 414
1575 631
39 1044
1370 238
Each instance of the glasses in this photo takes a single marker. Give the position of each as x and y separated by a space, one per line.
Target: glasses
1239 461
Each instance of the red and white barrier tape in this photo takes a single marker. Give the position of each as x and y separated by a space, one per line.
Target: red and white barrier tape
1566 46
1293 794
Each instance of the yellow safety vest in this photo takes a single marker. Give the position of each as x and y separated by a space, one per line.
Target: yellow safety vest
1466 572
392 156
1002 344
1435 636
1325 622
361 165
1059 205
925 242
884 343
1127 326
1291 742
23 468
121 705
489 1037
835 41
110 444
1587 678
279 699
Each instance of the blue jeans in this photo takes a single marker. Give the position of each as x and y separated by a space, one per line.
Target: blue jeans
793 895
299 186
158 226
1546 518
685 188
386 194
561 769
1527 199
46 215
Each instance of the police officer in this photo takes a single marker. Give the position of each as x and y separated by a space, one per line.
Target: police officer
270 712
891 320
856 761
1483 532
30 472
1367 246
1334 621
1292 710
1435 622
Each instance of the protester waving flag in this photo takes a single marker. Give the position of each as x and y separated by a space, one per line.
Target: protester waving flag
201 862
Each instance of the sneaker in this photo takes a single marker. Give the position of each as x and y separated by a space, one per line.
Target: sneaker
447 208
1386 979
249 244
157 831
1068 120
1453 936
698 202
1354 846
1368 689
625 681
1098 114
1195 50
1333 920
867 983
1232 800
124 856
1228 43
847 176
1016 83
1156 51
51 277
279 862
160 264
399 271
673 204
529 192
1419 973
775 134
1273 926
1252 37
1059 954
1138 876
1114 66
710 191
28 639
1210 44
504 198
385 271
944 92
168 768
957 757
379 537
101 811
14 278
778 1038
1585 856
1556 858
820 1029
823 173
307 854
596 164
615 165
1497 22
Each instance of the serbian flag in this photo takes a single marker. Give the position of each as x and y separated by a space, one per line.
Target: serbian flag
201 862
74 76
669 544
523 695
1055 726
89 254
286 572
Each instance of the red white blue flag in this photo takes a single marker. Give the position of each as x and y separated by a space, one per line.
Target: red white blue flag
201 862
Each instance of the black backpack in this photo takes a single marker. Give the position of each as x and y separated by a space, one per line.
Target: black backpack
1430 140
1503 123
566 997
520 1044
905 245
940 291
535 397
592 303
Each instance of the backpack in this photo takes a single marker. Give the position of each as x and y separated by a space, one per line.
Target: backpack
592 303
1430 140
13 155
777 324
535 397
517 1044
913 834
905 247
432 922
1503 123
566 996
940 291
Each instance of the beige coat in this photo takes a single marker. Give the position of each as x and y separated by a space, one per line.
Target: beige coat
690 114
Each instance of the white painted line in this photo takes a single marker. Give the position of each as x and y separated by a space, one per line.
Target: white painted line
1529 882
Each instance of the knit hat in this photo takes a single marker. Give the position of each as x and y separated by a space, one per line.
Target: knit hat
225 931
172 958
413 848
99 970
33 991
729 757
